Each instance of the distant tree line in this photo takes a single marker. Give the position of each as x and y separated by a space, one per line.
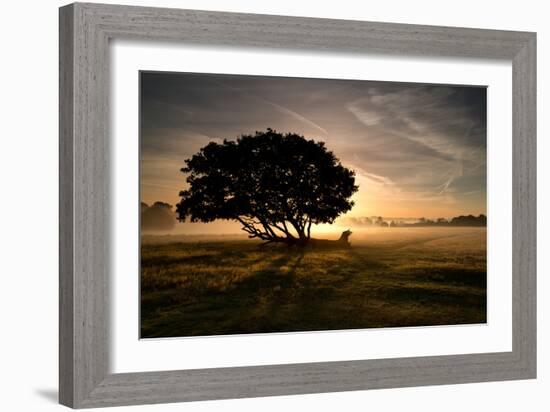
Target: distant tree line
157 217
469 220
379 221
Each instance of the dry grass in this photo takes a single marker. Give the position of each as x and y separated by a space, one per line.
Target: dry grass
390 277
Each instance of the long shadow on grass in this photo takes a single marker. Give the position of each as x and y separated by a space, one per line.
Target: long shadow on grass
285 295
271 275
285 300
253 305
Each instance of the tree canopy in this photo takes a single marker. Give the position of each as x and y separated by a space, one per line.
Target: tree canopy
276 185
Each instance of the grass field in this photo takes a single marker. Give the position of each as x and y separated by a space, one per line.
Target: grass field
388 278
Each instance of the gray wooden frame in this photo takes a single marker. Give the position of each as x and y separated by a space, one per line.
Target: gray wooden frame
85 31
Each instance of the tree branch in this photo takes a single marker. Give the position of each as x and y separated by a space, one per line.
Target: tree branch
249 227
283 229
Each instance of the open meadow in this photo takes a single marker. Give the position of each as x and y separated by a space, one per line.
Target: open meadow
390 277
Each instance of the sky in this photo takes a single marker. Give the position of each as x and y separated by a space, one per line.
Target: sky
418 150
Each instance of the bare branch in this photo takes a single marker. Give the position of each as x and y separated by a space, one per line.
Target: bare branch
249 225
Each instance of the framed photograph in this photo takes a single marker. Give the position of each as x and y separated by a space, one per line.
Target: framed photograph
257 205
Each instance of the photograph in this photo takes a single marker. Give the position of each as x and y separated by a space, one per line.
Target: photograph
284 204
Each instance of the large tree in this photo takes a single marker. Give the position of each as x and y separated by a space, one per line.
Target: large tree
276 185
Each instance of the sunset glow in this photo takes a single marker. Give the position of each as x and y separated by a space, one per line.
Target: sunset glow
417 150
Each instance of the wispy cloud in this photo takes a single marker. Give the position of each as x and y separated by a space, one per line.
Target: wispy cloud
295 115
413 147
427 126
280 108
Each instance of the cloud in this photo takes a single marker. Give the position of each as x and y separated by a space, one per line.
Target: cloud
438 133
280 108
408 143
297 116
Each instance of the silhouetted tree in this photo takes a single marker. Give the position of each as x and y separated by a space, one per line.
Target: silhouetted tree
159 216
162 205
276 185
469 220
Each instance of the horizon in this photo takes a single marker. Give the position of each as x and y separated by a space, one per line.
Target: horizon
198 228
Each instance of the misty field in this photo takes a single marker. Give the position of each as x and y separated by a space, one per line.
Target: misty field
389 278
